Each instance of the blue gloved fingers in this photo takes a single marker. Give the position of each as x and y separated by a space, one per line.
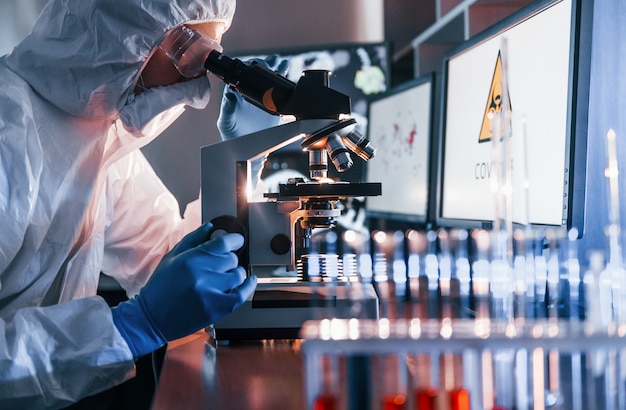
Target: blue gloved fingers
192 239
243 292
235 296
283 67
223 244
227 121
269 61
194 285
239 117
274 63
211 283
230 100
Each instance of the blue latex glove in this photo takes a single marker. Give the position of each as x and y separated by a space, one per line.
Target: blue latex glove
195 284
239 117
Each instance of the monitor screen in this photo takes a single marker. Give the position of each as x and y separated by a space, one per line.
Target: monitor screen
540 54
400 124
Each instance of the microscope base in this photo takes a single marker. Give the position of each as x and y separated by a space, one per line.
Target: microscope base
278 310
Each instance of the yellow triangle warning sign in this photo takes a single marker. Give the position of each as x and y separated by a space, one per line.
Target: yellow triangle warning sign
494 102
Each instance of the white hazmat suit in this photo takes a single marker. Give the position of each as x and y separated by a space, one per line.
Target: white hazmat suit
77 197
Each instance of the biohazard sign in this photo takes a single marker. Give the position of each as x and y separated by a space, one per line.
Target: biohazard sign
494 102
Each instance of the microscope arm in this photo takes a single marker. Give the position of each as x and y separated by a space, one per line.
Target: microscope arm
219 170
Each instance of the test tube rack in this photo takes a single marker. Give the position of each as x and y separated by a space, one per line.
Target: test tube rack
547 364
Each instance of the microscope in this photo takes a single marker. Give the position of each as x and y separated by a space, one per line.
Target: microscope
279 227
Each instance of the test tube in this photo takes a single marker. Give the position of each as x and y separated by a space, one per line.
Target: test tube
382 253
399 272
522 377
431 269
531 295
487 382
553 395
418 281
392 378
452 392
445 275
520 276
424 391
615 268
504 384
553 276
421 366
480 276
463 270
355 252
352 242
538 379
501 279
574 311
450 267
596 320
382 247
522 311
328 397
573 274
447 383
615 262
365 261
541 275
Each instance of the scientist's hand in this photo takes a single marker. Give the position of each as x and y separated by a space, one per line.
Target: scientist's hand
239 117
195 284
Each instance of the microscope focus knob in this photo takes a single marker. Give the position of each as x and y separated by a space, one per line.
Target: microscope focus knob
280 244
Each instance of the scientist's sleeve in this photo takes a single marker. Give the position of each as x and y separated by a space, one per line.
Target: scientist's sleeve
50 356
143 222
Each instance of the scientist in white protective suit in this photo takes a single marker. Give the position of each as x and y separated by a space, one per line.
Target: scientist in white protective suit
89 86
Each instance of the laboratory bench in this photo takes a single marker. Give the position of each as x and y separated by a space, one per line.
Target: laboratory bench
401 364
198 373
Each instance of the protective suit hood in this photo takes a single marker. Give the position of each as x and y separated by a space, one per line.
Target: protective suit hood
94 49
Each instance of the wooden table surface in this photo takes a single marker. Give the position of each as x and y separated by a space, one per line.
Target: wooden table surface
197 374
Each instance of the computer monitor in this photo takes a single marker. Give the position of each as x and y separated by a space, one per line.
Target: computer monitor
400 125
542 56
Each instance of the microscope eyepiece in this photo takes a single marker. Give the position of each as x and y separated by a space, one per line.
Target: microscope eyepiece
258 84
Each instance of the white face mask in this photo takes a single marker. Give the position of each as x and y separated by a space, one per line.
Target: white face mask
139 113
188 49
